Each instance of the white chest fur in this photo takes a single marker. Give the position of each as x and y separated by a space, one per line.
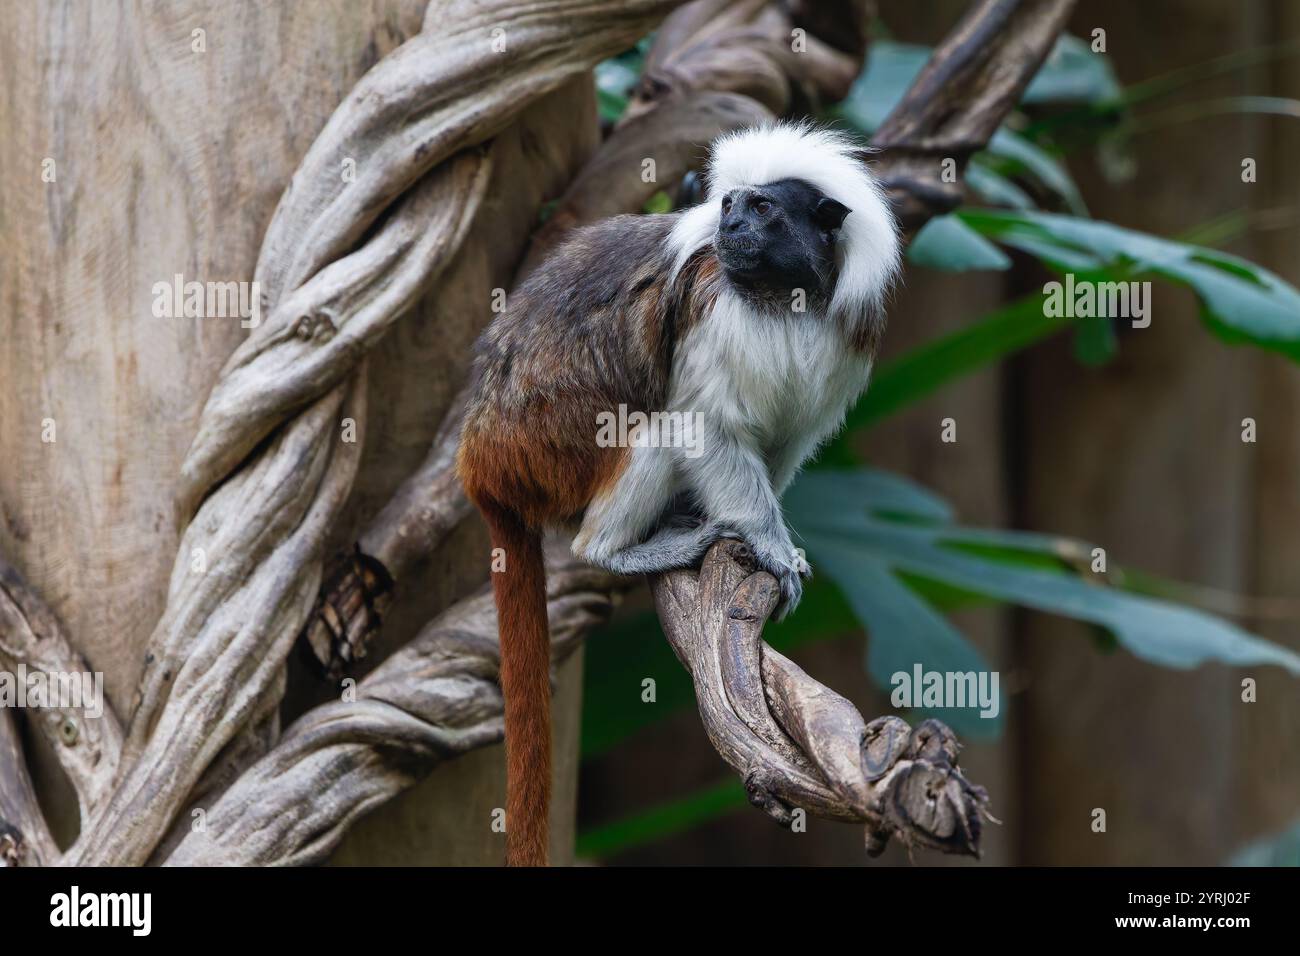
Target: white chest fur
768 381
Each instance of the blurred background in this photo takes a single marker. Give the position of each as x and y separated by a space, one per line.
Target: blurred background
1130 440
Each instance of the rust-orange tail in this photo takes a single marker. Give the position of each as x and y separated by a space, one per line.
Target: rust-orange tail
520 592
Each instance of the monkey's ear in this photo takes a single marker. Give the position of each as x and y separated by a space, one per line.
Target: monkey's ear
829 213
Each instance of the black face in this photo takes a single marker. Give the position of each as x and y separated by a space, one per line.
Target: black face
775 238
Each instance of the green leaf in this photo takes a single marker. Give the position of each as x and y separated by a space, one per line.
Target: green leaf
1018 153
881 601
658 203
1095 341
615 80
1241 302
917 562
948 244
1154 630
888 495
617 75
665 820
619 657
994 188
1073 73
891 68
610 105
922 371
903 630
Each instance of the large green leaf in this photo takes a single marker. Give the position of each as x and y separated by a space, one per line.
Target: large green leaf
890 558
987 562
891 68
1012 152
880 598
948 244
1073 73
889 495
993 187
917 374
911 377
903 630
1241 301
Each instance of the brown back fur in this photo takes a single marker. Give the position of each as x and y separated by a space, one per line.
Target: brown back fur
594 327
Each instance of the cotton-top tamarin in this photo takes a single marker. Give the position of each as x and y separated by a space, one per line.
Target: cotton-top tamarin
749 322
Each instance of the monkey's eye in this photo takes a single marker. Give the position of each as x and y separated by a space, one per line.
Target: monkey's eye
762 207
726 205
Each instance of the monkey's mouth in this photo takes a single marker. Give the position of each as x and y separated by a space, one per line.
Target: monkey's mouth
740 256
738 245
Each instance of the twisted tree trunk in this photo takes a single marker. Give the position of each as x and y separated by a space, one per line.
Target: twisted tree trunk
214 666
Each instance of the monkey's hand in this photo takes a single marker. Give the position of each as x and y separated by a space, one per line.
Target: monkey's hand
783 562
801 563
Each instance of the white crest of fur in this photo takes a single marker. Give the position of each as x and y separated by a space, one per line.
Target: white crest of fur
868 247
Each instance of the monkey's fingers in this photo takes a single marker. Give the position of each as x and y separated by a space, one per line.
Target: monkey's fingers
791 585
801 564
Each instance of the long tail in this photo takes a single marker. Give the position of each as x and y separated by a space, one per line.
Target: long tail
520 592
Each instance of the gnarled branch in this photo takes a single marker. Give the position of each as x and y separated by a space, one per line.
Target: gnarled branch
434 699
963 94
796 743
87 747
25 838
268 471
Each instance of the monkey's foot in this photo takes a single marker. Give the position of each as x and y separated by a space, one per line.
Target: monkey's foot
668 549
783 563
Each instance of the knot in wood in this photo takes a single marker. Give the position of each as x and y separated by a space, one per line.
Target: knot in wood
739 612
325 327
69 732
